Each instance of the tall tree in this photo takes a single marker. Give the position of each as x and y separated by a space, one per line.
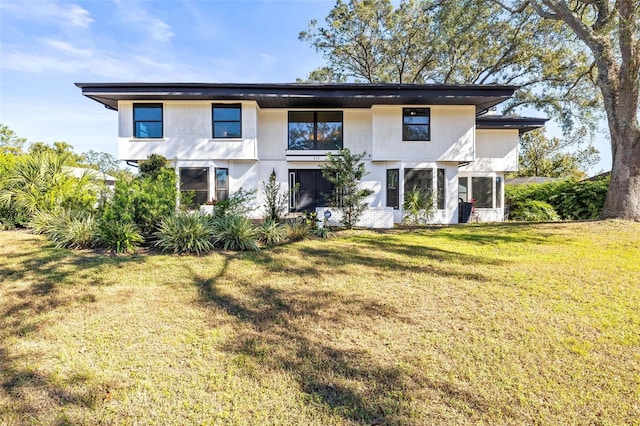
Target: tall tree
555 157
10 143
610 32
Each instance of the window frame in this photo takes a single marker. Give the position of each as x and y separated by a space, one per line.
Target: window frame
474 192
406 113
408 171
237 106
315 129
390 199
135 121
440 188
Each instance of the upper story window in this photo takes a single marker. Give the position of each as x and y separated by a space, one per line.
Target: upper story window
320 130
227 121
147 120
416 124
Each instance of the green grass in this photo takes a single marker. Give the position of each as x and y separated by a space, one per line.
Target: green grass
479 324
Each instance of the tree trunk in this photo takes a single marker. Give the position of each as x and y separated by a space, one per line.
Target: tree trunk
623 197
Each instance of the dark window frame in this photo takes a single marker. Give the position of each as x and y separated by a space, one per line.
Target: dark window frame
315 129
408 171
135 121
225 190
214 121
420 112
479 198
440 188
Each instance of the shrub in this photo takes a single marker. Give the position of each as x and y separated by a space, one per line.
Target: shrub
67 229
533 211
275 201
232 232
239 204
185 233
419 206
119 236
271 232
298 230
571 200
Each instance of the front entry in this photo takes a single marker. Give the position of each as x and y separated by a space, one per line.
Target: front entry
312 188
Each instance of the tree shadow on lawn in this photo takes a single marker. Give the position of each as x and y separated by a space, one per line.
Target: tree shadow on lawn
279 332
34 285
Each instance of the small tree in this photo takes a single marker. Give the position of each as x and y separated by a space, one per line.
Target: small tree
275 202
345 171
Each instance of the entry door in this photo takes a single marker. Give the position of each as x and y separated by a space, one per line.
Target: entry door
312 188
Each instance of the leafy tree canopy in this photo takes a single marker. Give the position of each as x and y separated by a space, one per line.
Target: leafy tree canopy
10 143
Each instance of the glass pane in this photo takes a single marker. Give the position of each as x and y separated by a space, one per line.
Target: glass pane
498 192
482 190
418 178
441 188
415 133
146 129
301 117
330 116
141 113
222 181
301 135
329 135
194 179
226 113
416 120
393 177
463 191
226 130
415 115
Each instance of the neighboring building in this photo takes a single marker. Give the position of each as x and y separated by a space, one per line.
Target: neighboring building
221 137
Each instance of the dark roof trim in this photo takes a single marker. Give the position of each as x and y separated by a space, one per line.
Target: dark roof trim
302 95
523 124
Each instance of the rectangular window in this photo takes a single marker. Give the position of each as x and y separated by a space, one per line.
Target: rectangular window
222 184
482 191
315 130
418 178
440 189
227 121
194 184
147 120
498 192
463 189
393 193
416 124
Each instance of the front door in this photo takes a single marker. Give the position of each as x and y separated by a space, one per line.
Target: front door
311 192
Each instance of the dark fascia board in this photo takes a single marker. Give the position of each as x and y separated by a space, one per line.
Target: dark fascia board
303 95
522 124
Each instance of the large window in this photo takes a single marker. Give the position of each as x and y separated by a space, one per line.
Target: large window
194 185
416 124
482 189
393 192
321 130
222 184
147 120
227 120
418 178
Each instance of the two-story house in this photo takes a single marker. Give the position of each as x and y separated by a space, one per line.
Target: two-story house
222 137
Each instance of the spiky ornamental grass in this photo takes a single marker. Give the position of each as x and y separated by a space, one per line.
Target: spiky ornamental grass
185 233
234 232
119 236
272 232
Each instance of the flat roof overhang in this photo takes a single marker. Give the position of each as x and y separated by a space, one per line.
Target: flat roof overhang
303 95
522 124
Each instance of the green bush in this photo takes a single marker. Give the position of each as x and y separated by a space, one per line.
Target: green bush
533 211
143 200
67 229
571 200
232 232
119 236
185 233
239 204
271 232
419 206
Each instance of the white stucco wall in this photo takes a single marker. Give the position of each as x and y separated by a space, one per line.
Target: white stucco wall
452 134
496 150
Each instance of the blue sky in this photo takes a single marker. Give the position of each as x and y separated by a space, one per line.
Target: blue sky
47 45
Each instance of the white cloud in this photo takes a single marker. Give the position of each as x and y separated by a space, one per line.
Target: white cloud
48 12
65 47
135 14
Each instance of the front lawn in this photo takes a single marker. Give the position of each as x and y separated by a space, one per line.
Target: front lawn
493 324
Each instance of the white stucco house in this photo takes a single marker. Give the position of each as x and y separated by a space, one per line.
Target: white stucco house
222 137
